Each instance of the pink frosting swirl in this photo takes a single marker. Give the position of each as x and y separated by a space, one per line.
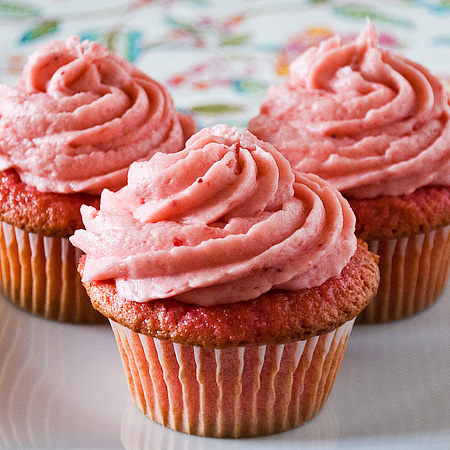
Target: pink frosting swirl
369 121
222 221
79 116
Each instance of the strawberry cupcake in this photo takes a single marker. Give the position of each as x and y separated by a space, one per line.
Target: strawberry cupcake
231 283
375 125
71 126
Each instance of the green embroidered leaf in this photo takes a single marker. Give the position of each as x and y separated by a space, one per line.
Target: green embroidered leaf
217 108
177 23
17 10
362 12
235 40
43 28
127 43
250 86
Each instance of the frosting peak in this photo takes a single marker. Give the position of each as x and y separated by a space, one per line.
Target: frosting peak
65 67
224 220
79 116
369 121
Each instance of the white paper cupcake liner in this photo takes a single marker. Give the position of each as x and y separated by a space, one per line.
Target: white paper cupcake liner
413 274
39 275
236 392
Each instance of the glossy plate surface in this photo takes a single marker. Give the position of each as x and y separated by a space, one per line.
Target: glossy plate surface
63 386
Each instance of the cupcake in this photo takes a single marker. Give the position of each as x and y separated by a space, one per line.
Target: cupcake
231 283
71 126
375 125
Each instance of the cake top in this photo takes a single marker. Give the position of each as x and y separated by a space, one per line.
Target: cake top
424 210
44 213
368 120
79 116
275 317
224 220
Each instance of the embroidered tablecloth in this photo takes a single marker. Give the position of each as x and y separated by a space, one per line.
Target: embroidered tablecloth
218 57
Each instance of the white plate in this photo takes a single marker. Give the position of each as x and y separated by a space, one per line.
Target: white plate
63 386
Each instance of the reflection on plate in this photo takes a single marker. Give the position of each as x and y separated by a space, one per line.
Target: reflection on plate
63 386
138 432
